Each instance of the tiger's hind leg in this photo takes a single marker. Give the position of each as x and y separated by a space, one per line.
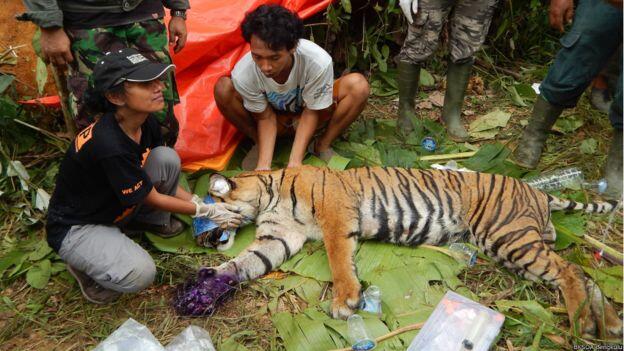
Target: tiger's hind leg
525 252
607 320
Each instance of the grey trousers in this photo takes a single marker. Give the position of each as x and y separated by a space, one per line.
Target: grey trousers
107 255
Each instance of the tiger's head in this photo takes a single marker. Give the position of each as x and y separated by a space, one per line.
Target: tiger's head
247 191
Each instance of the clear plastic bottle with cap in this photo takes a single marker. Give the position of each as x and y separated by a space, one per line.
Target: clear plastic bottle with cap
371 300
571 177
463 253
360 341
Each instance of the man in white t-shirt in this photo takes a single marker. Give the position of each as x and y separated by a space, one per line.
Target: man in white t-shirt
285 85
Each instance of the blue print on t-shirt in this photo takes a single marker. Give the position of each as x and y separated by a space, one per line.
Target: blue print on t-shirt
291 101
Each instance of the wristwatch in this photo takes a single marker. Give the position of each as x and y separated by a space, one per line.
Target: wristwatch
178 13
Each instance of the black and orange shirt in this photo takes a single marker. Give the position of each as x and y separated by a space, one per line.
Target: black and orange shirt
101 178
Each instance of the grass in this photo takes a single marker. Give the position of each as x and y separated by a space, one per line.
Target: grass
58 318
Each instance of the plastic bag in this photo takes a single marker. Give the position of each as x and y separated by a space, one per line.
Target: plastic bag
131 335
458 323
193 338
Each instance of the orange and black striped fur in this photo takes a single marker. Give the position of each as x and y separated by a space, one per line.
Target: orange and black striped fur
507 219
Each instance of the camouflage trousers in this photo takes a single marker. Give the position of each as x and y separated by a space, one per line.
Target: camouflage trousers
469 21
87 45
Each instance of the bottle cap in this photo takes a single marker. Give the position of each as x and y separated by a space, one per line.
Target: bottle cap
602 186
429 144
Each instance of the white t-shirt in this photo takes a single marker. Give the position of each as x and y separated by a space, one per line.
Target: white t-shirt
310 83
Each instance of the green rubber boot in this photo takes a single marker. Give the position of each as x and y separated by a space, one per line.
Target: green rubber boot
408 79
613 168
456 82
529 150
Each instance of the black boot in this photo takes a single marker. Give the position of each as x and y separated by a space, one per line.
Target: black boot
613 168
408 79
529 150
456 82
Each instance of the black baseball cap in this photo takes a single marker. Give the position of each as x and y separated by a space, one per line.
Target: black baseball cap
128 65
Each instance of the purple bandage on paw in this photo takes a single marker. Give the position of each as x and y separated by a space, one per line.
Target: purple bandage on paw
200 296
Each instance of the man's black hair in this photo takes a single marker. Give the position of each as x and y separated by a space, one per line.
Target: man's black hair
278 27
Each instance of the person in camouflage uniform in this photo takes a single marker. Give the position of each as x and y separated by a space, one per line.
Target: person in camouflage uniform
76 33
469 22
87 45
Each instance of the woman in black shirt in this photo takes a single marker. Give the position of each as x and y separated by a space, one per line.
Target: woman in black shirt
116 174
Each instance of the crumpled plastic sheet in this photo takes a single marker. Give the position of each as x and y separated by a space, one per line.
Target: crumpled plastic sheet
132 335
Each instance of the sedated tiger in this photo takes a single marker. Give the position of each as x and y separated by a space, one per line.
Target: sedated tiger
505 218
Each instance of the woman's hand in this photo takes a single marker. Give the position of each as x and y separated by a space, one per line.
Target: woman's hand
224 214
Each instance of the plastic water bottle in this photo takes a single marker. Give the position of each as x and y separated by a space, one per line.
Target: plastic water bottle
463 253
566 178
359 336
371 300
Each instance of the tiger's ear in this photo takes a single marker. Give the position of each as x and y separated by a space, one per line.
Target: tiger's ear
220 186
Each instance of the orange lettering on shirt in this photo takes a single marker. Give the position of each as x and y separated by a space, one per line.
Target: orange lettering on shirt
124 214
132 189
144 156
84 136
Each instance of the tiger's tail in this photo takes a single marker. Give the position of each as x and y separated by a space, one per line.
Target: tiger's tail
557 204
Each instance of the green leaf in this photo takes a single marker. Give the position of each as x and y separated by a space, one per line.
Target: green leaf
494 119
303 333
39 274
42 250
183 182
488 156
310 262
525 91
314 161
609 280
5 81
426 79
532 311
42 199
185 243
338 162
515 97
202 185
346 5
588 146
230 344
42 75
568 124
367 153
13 258
570 227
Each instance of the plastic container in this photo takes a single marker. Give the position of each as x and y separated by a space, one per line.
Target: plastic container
458 323
429 144
566 178
193 338
359 337
208 234
464 253
371 300
131 335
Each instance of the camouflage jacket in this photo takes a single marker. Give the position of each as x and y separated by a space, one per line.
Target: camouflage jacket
49 13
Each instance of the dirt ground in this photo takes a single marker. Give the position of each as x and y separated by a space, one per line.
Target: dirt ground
14 33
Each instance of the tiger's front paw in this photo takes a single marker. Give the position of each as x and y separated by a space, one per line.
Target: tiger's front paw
346 300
